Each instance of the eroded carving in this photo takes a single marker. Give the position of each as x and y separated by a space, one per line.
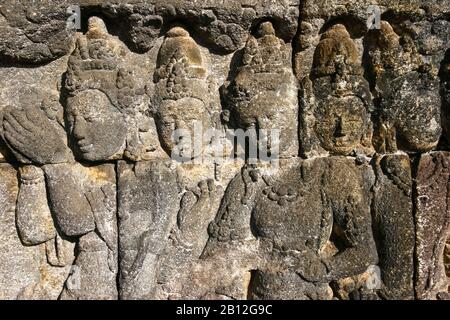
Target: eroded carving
432 224
91 207
262 96
445 90
335 101
308 230
394 225
103 101
407 86
35 134
181 94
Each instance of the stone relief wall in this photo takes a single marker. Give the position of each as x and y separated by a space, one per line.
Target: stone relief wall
94 206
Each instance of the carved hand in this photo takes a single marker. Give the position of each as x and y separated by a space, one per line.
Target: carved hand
197 211
311 268
102 202
30 133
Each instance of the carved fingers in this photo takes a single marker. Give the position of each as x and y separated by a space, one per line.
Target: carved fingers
196 206
30 133
102 202
17 129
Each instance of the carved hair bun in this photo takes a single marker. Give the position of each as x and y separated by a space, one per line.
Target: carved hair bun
177 32
266 29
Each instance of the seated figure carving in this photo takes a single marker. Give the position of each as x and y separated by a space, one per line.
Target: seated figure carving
310 219
408 116
336 93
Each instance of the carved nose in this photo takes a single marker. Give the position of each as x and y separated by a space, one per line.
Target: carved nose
79 127
339 131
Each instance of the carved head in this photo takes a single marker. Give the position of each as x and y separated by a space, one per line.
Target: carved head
178 121
341 124
100 91
263 95
181 94
335 51
96 125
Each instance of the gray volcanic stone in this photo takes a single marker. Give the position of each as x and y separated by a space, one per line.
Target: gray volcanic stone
148 204
394 225
242 149
33 32
433 224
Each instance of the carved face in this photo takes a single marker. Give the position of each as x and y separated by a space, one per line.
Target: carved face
176 122
97 126
340 124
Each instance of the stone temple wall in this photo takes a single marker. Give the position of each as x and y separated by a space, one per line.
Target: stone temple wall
354 204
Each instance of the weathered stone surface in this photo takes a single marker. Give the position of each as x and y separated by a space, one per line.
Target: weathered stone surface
433 224
127 149
447 261
222 26
33 32
148 204
406 85
88 215
164 212
445 90
33 217
263 94
300 212
335 101
18 262
25 270
394 225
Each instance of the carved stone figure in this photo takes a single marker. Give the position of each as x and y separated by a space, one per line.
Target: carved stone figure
335 101
432 225
181 99
112 185
263 94
408 116
81 200
102 98
394 226
309 232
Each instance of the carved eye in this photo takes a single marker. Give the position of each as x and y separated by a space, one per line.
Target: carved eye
89 118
